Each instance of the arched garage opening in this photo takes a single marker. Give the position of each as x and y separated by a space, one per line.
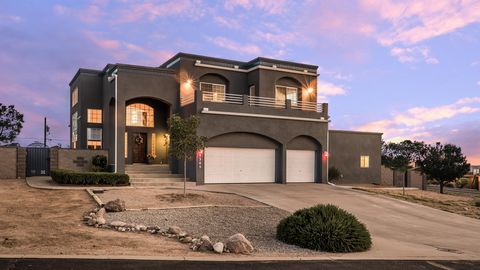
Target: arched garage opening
241 157
304 160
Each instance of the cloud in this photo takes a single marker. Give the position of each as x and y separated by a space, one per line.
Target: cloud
413 55
334 74
413 21
229 44
103 43
478 83
329 89
409 123
151 11
227 22
272 7
10 18
90 14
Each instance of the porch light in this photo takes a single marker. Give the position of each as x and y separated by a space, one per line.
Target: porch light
325 155
309 90
188 82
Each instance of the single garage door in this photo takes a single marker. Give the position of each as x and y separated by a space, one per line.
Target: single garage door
239 165
300 166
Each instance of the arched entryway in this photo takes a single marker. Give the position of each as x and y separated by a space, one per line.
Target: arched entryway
304 160
145 130
241 157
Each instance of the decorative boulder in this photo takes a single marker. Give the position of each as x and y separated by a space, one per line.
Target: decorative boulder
237 243
118 224
218 247
101 212
101 220
205 244
115 206
174 230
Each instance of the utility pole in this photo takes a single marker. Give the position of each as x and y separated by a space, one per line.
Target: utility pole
45 132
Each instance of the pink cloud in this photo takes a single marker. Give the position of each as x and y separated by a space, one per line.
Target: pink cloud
103 43
234 46
269 6
227 22
150 11
413 54
90 14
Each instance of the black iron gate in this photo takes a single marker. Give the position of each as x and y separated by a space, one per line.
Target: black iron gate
38 161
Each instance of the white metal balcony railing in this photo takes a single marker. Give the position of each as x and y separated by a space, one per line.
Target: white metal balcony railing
257 101
188 99
222 98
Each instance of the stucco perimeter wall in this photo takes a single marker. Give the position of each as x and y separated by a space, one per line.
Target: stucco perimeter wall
387 176
73 159
345 149
8 162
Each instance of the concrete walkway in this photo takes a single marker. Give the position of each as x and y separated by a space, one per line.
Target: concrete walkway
400 230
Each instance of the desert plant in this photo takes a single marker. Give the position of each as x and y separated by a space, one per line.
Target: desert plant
461 183
334 174
325 228
89 178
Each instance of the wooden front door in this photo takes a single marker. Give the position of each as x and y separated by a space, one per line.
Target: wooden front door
139 149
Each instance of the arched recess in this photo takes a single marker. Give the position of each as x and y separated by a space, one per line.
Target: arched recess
216 80
241 157
145 129
288 88
304 160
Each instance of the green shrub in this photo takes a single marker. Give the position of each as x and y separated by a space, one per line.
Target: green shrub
334 174
326 228
89 178
99 163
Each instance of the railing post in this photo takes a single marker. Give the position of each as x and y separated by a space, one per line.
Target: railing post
288 104
325 109
245 100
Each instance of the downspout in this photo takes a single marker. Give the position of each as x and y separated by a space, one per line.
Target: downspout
116 121
328 152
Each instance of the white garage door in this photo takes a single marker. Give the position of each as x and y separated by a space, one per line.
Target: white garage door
300 166
239 165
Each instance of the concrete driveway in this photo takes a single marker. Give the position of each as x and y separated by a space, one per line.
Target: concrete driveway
400 230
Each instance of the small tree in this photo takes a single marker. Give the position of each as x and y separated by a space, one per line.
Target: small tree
11 123
400 156
443 163
184 141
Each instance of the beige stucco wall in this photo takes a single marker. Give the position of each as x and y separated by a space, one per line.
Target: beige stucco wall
387 176
415 179
74 159
8 162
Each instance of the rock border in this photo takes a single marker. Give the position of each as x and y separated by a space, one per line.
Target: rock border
238 243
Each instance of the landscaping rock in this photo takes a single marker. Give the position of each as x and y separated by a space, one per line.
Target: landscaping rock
205 244
92 222
186 239
182 234
101 212
174 230
115 206
237 243
86 218
141 227
218 247
117 224
101 221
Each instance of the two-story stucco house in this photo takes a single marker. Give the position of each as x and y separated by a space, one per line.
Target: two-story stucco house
261 118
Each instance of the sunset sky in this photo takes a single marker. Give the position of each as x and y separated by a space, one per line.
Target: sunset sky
409 69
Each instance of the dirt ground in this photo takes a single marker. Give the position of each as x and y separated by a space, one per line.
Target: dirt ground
35 221
463 205
166 198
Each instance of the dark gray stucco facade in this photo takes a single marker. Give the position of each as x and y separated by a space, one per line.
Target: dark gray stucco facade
248 115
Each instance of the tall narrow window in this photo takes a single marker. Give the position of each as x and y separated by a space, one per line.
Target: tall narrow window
364 161
154 145
251 90
75 96
74 130
94 116
126 144
139 115
94 138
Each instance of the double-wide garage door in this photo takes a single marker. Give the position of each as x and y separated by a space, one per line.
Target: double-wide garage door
239 165
252 165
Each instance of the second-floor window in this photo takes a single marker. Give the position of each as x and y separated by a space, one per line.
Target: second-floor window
75 96
217 91
94 116
283 93
139 115
74 130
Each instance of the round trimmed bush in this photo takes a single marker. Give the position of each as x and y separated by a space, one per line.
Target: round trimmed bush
326 228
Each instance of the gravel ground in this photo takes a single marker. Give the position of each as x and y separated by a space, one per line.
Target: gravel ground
258 224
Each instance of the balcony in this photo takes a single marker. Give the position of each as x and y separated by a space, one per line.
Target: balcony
234 104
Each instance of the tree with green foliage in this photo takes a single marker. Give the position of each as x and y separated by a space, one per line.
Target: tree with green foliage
443 163
184 141
400 156
11 123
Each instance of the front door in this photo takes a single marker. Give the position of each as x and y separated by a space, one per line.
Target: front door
139 149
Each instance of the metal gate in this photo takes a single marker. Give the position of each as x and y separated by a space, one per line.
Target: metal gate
38 161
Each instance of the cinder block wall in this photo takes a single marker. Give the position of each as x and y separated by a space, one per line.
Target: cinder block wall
73 159
387 176
8 162
21 162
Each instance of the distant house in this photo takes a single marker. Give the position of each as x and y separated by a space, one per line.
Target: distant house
36 144
475 169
